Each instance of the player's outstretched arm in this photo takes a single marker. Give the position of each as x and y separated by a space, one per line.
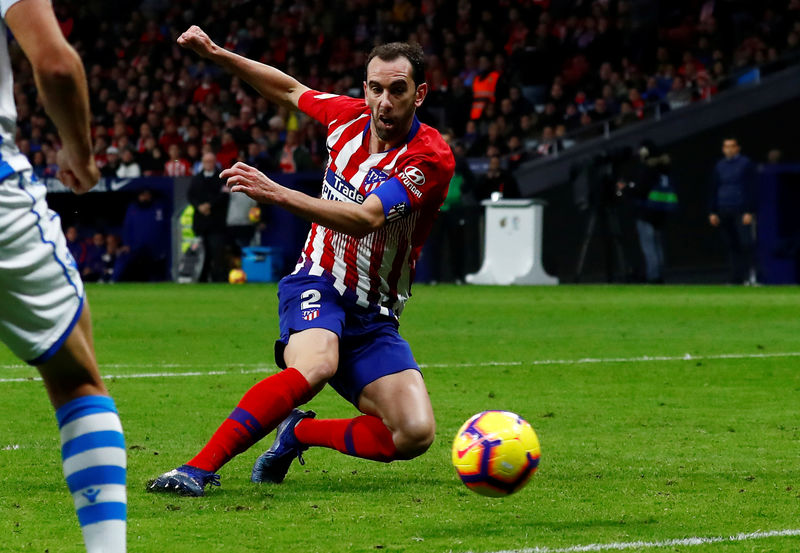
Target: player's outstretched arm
352 219
61 83
271 83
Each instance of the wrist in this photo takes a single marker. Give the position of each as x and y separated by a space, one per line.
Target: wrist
285 197
216 53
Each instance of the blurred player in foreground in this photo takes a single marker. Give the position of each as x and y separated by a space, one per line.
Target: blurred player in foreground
387 176
44 317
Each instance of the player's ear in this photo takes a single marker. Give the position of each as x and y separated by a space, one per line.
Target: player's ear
365 91
419 96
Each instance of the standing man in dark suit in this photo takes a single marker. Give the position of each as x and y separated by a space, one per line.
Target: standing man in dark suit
732 206
209 197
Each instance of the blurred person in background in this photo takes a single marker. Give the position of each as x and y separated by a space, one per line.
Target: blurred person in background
109 170
497 180
208 195
145 233
646 182
176 165
454 238
92 268
113 257
732 205
128 167
76 247
294 156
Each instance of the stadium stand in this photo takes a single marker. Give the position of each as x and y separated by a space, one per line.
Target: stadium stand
544 73
528 82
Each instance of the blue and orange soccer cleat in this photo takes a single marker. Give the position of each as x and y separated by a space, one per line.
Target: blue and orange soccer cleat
273 464
184 480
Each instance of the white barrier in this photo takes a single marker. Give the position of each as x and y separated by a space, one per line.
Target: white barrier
513 244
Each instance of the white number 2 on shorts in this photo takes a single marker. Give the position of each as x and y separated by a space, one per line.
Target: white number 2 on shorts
310 297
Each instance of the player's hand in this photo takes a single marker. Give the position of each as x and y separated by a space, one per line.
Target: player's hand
195 39
747 218
713 219
255 184
79 175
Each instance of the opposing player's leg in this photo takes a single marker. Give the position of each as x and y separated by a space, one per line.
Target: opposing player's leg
92 443
72 370
44 319
309 351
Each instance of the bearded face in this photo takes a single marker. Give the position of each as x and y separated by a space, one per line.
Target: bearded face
392 98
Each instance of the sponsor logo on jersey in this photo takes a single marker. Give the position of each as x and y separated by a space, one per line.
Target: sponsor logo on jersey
343 188
413 178
310 314
373 179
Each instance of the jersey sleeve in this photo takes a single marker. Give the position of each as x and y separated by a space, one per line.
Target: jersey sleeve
327 108
4 5
418 182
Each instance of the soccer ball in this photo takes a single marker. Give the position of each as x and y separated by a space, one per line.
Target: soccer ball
237 276
495 453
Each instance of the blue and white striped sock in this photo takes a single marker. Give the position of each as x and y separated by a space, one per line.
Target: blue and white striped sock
93 455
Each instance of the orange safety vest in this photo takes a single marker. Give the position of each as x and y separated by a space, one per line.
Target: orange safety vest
483 89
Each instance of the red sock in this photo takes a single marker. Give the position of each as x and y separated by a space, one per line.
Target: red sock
365 436
261 409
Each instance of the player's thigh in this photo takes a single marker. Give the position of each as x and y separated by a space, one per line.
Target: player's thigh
41 293
311 321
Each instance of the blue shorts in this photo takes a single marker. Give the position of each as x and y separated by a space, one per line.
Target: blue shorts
369 344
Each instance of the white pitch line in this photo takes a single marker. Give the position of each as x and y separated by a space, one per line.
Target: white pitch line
155 375
146 365
641 359
687 542
252 368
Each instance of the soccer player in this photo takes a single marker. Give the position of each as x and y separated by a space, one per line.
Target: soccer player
44 317
386 178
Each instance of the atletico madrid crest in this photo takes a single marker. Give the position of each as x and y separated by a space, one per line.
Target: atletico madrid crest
374 178
310 314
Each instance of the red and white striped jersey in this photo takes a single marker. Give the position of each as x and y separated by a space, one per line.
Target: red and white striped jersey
411 181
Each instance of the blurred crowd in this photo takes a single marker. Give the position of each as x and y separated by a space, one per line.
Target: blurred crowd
513 79
510 80
136 251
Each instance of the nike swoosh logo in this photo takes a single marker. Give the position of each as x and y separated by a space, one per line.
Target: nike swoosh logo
471 446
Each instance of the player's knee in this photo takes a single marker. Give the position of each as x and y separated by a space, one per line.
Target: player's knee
414 437
315 355
318 371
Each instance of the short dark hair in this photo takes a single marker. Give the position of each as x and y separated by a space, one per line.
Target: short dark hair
393 50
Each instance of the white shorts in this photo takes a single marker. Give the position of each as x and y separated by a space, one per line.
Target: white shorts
41 292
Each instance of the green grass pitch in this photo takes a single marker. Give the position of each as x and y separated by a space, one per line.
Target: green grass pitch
699 445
